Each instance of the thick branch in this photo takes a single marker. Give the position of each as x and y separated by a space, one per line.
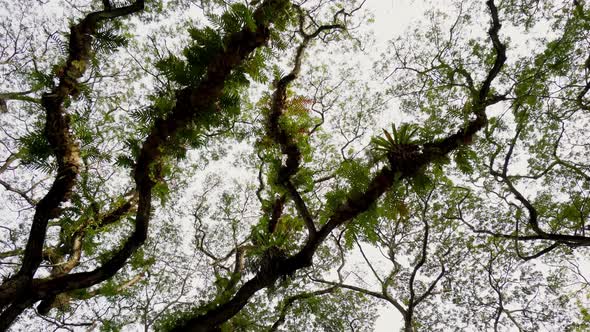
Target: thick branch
284 139
191 104
65 148
74 242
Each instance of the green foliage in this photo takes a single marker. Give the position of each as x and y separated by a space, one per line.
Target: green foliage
356 174
255 66
334 198
287 227
208 42
35 151
40 80
108 326
538 112
107 40
140 261
405 134
109 289
234 19
162 192
80 294
464 158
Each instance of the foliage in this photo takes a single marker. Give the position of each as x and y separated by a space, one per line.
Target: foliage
403 135
220 165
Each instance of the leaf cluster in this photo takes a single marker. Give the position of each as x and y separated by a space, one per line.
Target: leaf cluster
405 134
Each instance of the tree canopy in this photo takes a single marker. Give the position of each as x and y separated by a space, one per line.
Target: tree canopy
266 165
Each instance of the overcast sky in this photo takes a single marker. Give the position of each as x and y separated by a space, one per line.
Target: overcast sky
392 17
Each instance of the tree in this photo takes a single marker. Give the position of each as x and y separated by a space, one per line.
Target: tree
110 125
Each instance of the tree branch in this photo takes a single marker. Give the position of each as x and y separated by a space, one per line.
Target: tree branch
66 150
191 103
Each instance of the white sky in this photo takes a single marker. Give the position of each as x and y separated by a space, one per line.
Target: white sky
392 18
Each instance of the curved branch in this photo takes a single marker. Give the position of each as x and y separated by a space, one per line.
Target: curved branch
191 103
65 149
288 303
284 139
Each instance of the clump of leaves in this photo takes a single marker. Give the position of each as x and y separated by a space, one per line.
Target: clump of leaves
405 134
107 40
36 152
